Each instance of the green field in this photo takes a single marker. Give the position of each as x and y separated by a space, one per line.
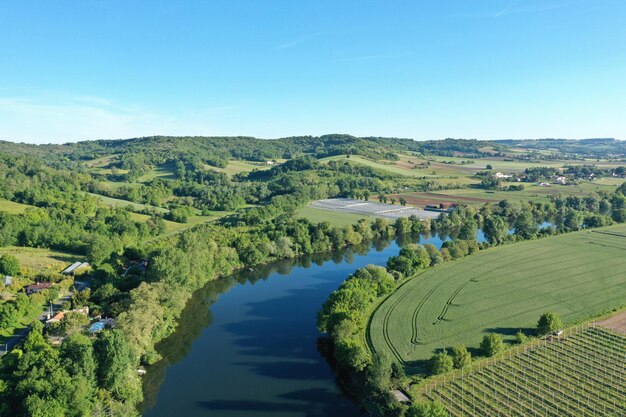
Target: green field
36 260
531 192
236 167
501 290
174 227
116 202
389 166
164 171
12 207
336 218
579 375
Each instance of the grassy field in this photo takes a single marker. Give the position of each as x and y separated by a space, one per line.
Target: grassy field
12 207
116 202
389 166
501 290
164 171
336 218
577 375
174 227
531 192
35 260
235 167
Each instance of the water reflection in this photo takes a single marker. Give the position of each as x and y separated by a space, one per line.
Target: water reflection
257 350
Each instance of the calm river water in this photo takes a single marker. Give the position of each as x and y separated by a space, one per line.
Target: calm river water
247 345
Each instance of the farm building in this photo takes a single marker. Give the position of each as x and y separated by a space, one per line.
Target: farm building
70 270
401 397
441 207
7 280
503 176
35 288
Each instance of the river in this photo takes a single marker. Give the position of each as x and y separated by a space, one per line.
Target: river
247 345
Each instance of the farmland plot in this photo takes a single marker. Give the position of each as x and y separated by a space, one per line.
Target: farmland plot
577 375
501 290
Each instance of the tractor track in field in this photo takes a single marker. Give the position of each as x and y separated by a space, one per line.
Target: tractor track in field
385 326
534 261
415 324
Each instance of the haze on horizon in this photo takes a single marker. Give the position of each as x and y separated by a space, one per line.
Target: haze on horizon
424 70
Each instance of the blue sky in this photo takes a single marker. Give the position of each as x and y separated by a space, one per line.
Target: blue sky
76 70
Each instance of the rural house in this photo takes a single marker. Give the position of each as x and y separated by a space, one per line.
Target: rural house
35 288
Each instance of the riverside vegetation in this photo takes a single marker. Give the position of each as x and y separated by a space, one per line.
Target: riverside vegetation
157 218
375 353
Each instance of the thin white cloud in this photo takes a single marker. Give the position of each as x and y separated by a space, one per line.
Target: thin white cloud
300 40
506 9
74 118
390 55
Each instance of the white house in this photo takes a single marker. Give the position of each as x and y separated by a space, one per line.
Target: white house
7 280
502 176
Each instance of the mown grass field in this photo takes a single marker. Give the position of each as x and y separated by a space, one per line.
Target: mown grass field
174 227
581 375
164 171
501 290
12 207
38 260
236 167
531 192
336 218
116 202
389 166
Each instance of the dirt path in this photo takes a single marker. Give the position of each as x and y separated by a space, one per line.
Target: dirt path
616 323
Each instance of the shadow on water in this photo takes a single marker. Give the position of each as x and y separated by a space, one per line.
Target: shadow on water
314 402
275 340
252 335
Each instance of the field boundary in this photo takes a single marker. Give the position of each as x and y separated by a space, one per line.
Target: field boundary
524 377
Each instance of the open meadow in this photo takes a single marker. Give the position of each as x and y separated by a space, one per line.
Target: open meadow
12 207
39 260
501 290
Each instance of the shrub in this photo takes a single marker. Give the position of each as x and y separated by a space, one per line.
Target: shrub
492 344
441 363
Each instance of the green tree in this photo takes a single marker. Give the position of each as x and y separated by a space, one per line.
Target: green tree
379 374
9 315
9 265
441 363
73 322
461 358
78 358
548 323
520 337
492 344
116 366
35 340
495 229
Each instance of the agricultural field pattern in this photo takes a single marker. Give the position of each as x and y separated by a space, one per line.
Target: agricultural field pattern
501 290
579 374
